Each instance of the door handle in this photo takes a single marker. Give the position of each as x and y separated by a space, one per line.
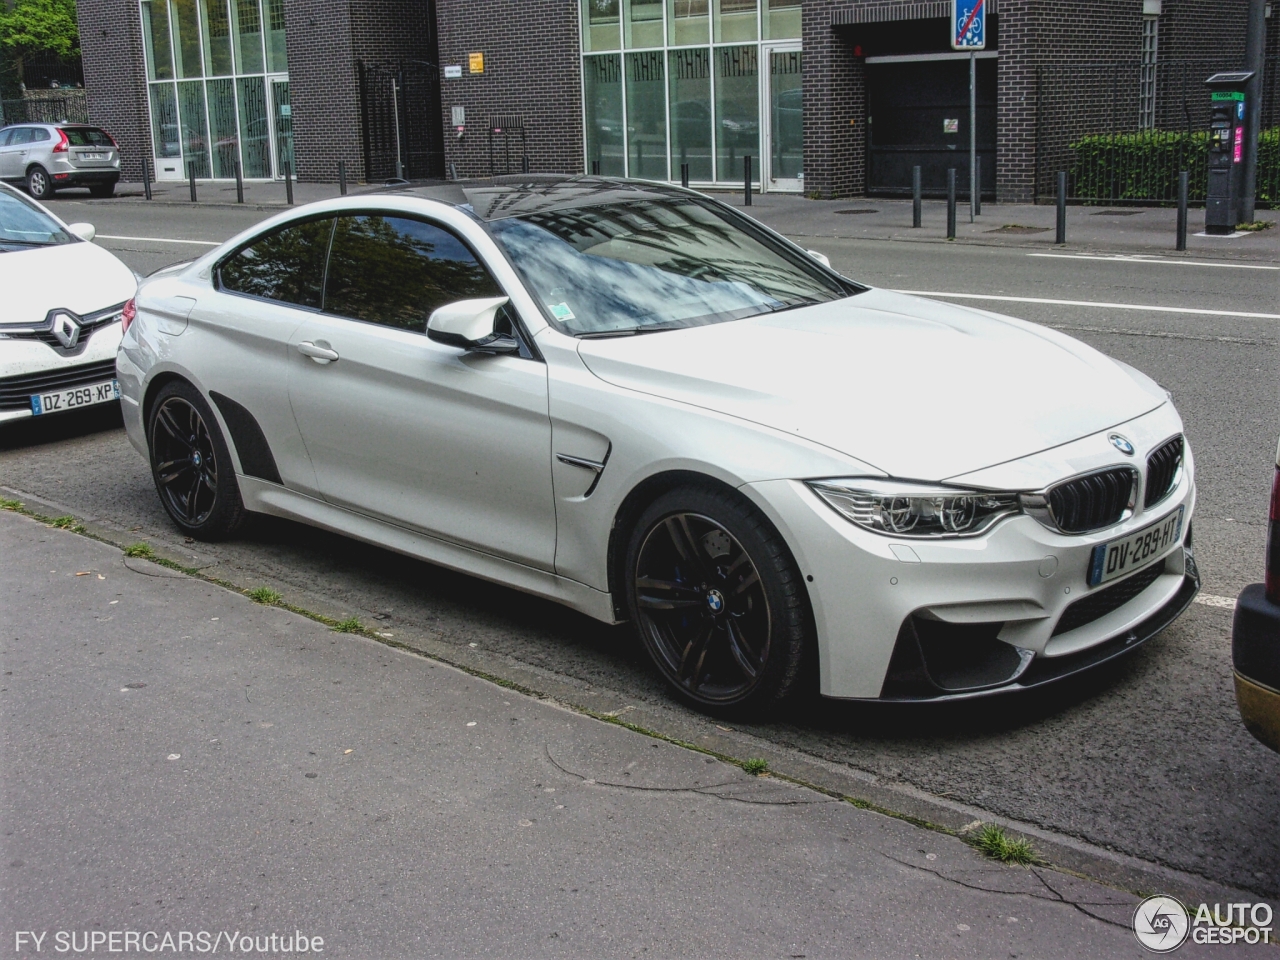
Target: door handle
316 352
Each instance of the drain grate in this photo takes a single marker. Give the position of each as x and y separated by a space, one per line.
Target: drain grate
859 210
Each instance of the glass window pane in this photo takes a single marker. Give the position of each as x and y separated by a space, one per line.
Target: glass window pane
164 120
781 19
247 35
735 20
286 265
396 271
222 127
646 116
602 77
737 110
691 112
601 26
786 119
284 127
277 62
191 115
216 25
642 23
255 130
687 22
186 38
155 40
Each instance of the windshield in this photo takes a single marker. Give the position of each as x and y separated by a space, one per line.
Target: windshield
645 265
23 225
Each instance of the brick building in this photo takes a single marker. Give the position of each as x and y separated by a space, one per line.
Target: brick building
829 97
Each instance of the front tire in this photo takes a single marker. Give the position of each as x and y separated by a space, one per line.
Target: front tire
39 183
718 601
191 464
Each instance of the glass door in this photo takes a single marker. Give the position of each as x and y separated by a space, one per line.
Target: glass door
783 146
282 119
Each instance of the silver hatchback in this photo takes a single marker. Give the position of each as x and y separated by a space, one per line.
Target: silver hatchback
49 156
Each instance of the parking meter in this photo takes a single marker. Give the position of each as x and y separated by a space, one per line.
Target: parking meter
1226 150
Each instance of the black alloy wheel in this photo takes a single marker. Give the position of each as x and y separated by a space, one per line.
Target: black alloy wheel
191 464
718 601
39 183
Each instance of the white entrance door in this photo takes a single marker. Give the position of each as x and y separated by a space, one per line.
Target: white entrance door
783 115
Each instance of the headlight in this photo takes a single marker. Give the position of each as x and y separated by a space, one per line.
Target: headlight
898 508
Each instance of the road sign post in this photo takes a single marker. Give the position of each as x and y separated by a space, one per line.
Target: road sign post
969 32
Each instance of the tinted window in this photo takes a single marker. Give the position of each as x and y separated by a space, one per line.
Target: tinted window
396 271
286 265
86 137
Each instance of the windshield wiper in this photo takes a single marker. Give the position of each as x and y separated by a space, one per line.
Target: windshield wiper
28 243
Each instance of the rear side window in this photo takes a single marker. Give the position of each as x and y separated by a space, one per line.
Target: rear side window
285 265
86 137
4 137
396 271
19 135
37 134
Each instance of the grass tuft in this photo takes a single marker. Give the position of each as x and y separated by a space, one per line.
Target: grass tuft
349 625
67 523
142 550
755 766
6 504
264 595
1255 226
993 841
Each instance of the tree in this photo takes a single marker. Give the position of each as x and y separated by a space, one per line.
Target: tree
31 27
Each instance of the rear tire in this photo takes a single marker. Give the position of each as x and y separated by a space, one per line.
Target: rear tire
191 464
39 183
718 601
102 190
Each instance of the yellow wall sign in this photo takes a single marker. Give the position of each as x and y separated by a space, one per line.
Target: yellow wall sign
476 60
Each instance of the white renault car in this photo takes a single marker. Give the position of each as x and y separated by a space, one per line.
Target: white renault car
638 402
62 300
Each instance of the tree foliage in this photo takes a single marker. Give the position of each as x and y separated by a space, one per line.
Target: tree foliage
39 26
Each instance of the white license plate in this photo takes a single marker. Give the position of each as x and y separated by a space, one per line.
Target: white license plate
1119 557
93 156
75 397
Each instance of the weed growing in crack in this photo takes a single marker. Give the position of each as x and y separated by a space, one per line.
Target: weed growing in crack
993 841
10 504
755 766
349 625
67 523
264 595
142 550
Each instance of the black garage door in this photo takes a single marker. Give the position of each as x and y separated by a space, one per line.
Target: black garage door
918 115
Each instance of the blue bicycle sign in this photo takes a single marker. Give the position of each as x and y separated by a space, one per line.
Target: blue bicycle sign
968 24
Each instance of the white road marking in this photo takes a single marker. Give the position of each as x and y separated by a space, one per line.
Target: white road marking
1120 258
1145 307
202 243
1211 601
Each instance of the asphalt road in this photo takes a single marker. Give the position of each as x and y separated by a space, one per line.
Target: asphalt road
1148 760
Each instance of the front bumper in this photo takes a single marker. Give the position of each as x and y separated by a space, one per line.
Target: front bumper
1255 654
30 366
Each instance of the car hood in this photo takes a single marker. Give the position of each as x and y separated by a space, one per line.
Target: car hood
81 277
920 389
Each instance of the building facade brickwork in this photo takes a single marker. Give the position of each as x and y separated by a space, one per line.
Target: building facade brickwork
111 50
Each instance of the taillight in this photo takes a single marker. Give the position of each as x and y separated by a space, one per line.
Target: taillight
126 316
62 144
1273 542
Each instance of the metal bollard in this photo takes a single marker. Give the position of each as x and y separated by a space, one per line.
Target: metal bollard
453 171
595 168
684 175
977 187
916 202
746 180
524 163
342 178
1182 210
951 203
146 177
191 179
288 183
1062 207
239 182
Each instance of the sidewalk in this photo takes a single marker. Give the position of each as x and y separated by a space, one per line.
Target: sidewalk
1145 230
177 757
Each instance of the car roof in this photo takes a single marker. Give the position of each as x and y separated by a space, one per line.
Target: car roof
524 194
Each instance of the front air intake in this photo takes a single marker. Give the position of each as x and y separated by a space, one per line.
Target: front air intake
1163 467
1093 501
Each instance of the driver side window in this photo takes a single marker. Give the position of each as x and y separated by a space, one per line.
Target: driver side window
395 271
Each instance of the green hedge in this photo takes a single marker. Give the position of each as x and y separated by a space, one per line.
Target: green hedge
1145 166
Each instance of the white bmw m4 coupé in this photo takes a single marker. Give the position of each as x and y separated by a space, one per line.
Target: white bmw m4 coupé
636 401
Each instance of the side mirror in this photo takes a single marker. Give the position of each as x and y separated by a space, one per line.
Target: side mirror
470 324
820 257
85 231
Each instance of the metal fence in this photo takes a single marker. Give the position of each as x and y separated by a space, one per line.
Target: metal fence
1123 138
403 131
73 109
